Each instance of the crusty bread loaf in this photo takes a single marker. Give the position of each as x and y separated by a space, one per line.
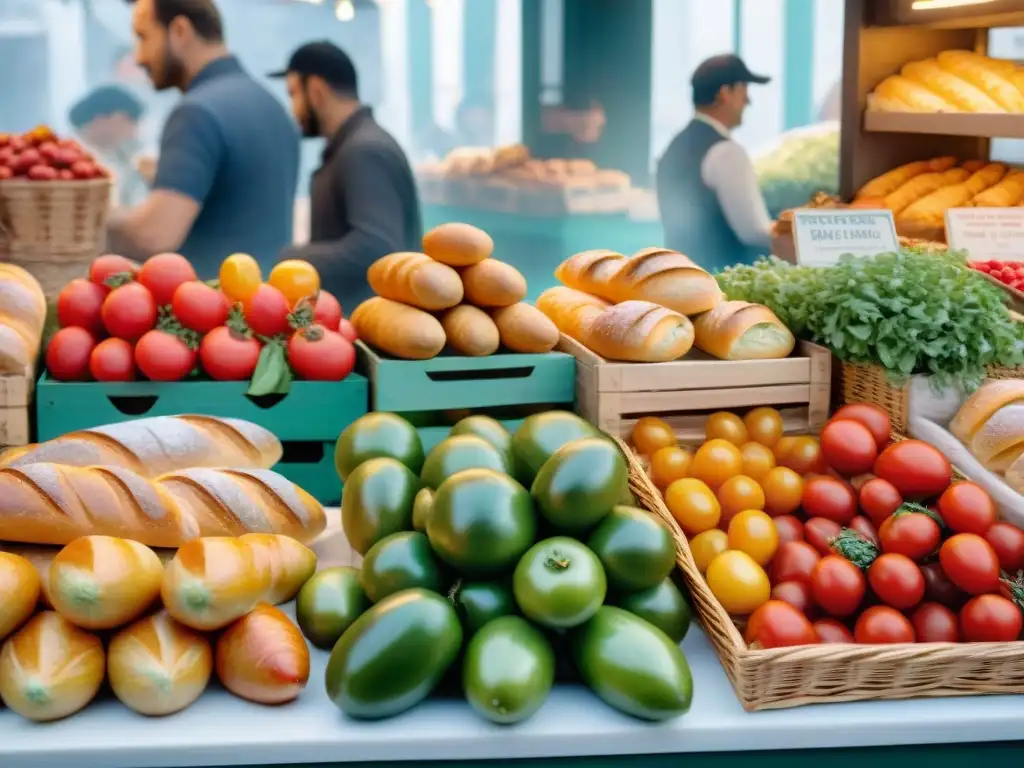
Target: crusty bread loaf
667 278
640 332
398 329
999 442
415 279
572 311
470 331
493 283
738 330
458 245
979 407
524 328
20 585
22 316
291 564
153 446
590 271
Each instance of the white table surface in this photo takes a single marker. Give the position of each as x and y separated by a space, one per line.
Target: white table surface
220 729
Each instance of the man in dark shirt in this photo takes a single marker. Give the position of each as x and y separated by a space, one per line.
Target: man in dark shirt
229 154
363 199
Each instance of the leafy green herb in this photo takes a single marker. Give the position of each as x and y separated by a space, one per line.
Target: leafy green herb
272 376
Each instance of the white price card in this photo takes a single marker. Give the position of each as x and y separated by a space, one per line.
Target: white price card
987 233
822 236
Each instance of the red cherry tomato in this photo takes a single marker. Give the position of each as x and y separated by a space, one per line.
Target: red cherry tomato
872 417
777 624
162 356
794 561
848 447
832 631
879 499
1008 542
789 529
346 329
865 528
934 623
837 585
970 562
229 356
318 354
915 535
796 593
129 311
199 306
881 625
79 304
67 354
829 498
819 532
163 273
897 581
939 589
103 268
967 508
990 619
327 311
113 360
266 312
918 470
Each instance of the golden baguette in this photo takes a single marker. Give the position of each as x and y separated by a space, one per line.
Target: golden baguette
955 90
979 72
898 94
923 185
892 180
1008 192
415 279
572 311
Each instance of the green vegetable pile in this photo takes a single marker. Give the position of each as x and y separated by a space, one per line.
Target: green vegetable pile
805 162
911 312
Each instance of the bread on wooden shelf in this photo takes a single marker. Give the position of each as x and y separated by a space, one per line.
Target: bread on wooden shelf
590 271
398 329
667 278
738 330
415 279
470 331
524 328
493 283
22 317
890 181
572 311
458 245
641 332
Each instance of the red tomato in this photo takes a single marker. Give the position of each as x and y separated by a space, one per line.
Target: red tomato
229 356
163 273
113 360
939 589
129 311
819 532
266 312
327 311
318 354
199 307
837 585
67 354
796 593
915 535
879 499
162 356
897 581
865 528
832 631
794 561
848 447
1008 542
934 623
967 508
103 268
872 417
916 469
881 625
777 624
79 304
971 563
347 330
789 528
829 498
990 619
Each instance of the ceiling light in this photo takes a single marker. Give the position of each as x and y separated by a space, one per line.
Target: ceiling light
930 5
344 10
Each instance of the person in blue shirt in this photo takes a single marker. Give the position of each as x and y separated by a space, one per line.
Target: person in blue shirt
227 170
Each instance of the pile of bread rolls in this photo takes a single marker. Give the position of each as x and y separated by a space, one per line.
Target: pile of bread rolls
990 424
52 664
452 294
22 317
654 306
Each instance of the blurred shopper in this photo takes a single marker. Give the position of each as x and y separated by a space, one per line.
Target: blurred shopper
711 206
363 202
229 154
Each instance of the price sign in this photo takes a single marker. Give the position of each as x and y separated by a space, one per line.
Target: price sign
987 233
822 236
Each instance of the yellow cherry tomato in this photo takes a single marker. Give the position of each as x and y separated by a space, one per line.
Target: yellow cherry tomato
725 426
669 464
739 583
804 456
693 505
715 462
651 434
783 489
758 460
296 279
240 276
737 494
706 546
764 425
753 532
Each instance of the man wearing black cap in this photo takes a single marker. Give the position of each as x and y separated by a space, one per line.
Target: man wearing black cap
363 201
711 206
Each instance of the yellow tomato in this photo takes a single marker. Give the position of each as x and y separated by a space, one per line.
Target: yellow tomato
670 464
737 494
764 425
725 426
715 462
758 460
782 491
739 583
296 279
651 434
803 456
706 546
753 532
693 505
782 448
240 276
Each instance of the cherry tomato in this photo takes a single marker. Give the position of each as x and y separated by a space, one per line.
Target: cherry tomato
918 470
113 360
162 356
715 462
764 426
804 456
819 531
753 532
848 447
317 354
864 527
706 546
829 498
990 619
939 589
79 304
881 625
227 355
240 276
738 494
783 448
796 593
777 624
738 583
915 535
67 354
967 508
795 561
266 312
879 499
163 273
129 312
199 307
832 631
693 505
758 460
327 312
838 586
934 623
1008 542
112 267
896 580
872 417
970 562
783 489
346 329
725 426
670 464
650 434
296 279
789 528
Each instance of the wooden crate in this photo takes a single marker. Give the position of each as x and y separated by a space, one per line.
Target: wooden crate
15 396
615 395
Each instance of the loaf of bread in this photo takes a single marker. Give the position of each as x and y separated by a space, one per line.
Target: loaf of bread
153 446
640 332
590 271
979 407
56 504
999 442
493 283
21 587
263 657
738 330
22 316
398 329
667 278
524 328
291 564
572 311
458 245
415 279
470 331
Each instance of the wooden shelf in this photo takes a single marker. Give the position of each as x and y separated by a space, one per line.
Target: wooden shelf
952 124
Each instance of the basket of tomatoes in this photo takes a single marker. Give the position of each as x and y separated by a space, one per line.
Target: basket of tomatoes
842 566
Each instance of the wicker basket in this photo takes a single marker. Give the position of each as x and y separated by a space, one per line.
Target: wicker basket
55 217
817 674
53 271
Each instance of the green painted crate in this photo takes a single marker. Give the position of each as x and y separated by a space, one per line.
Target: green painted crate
307 420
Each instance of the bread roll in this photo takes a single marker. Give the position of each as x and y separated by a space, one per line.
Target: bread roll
20 587
493 283
398 329
100 582
986 400
526 329
470 331
1000 440
158 666
415 279
572 311
640 332
738 330
22 316
458 245
590 271
291 564
667 278
263 657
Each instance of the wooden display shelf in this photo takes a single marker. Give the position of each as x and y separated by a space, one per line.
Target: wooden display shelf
946 124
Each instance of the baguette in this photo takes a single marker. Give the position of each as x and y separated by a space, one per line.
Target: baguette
470 331
415 279
738 330
979 407
153 446
999 442
56 504
590 271
640 332
458 245
524 328
398 329
667 278
572 311
493 283
22 317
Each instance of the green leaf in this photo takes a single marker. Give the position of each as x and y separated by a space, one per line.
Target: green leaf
272 375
